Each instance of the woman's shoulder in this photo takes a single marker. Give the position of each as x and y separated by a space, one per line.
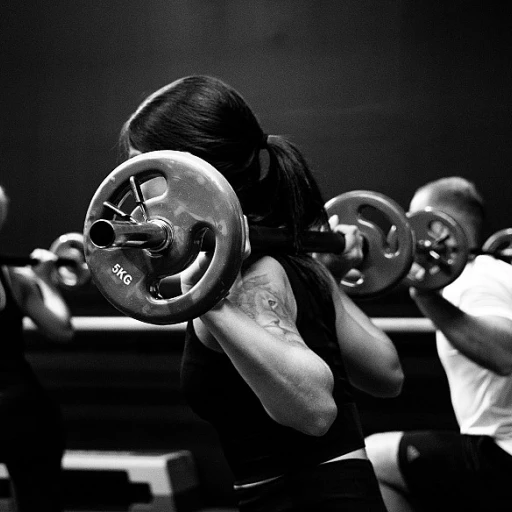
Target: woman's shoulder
263 263
265 269
288 269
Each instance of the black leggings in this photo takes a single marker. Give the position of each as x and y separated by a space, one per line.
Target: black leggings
448 471
32 444
346 485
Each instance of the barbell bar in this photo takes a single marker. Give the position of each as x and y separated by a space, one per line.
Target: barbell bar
107 233
132 243
71 270
379 271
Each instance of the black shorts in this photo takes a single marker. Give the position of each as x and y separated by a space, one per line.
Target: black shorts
450 471
341 486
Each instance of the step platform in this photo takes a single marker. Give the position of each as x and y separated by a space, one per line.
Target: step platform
103 481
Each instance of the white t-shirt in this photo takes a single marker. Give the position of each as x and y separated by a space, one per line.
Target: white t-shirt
481 399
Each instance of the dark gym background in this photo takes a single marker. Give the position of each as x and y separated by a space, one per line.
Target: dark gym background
380 94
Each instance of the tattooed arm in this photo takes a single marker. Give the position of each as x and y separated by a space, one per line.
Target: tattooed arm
255 327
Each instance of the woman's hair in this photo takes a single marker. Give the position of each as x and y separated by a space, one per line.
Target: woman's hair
204 116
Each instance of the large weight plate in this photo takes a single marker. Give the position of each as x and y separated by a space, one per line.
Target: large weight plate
379 218
71 246
191 197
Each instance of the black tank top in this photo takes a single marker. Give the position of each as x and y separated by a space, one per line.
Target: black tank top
255 446
11 322
18 382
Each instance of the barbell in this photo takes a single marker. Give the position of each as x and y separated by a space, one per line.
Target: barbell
442 249
148 220
152 215
71 270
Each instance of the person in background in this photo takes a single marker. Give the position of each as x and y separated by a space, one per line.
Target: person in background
272 366
32 439
469 469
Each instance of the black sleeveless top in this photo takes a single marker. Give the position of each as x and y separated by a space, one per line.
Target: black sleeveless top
255 446
18 383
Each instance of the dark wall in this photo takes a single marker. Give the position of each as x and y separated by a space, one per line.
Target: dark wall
380 94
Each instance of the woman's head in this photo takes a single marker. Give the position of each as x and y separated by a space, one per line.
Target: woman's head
198 114
204 116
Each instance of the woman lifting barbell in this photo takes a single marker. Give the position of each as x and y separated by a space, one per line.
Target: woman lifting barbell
272 364
32 439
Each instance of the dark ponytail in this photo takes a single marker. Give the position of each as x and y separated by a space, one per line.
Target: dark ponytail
296 202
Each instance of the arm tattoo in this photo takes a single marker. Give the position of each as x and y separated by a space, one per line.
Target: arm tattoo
258 298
